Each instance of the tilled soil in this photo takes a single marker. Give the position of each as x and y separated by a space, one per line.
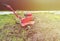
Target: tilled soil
44 29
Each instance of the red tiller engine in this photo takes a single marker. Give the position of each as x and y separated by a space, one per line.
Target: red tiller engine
28 20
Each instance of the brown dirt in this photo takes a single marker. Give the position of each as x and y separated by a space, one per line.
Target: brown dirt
42 30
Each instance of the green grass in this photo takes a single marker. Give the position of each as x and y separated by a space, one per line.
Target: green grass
4 19
8 20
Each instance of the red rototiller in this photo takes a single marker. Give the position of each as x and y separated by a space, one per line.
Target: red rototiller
26 21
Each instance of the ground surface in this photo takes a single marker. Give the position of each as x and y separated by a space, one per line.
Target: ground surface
46 28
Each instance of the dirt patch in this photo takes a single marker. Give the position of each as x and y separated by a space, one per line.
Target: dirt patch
45 29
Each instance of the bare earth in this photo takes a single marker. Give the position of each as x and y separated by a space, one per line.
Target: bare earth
46 28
